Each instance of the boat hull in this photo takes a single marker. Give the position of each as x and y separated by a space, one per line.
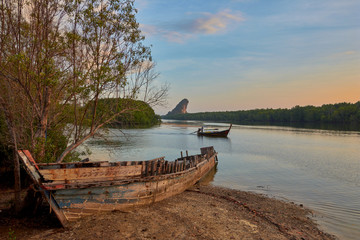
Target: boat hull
214 134
73 198
223 133
78 202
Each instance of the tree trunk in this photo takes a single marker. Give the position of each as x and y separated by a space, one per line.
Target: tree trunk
89 135
72 147
13 135
41 132
17 182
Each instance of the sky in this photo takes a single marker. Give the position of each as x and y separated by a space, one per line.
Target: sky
228 55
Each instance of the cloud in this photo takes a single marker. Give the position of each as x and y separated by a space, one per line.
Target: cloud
213 23
205 24
167 34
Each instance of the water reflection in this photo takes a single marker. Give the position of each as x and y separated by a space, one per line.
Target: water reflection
315 126
209 177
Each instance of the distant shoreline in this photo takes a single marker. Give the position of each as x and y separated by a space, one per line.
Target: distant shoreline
319 126
340 116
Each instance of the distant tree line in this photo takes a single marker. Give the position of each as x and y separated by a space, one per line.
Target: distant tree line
340 113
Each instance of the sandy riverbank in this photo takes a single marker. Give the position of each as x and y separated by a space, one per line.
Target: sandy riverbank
203 212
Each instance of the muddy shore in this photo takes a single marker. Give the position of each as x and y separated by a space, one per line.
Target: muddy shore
202 212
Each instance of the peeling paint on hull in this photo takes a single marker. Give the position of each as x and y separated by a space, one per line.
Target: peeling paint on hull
104 187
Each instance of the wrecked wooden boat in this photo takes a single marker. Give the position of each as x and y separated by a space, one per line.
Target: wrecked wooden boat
213 132
82 188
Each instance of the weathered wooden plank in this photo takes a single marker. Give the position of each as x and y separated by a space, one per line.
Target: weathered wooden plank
130 194
25 156
30 168
143 168
104 164
30 158
138 194
176 165
78 211
81 196
173 167
93 181
156 159
159 169
166 167
147 166
90 174
152 171
65 165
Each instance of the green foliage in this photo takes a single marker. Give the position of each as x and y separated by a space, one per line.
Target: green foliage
5 151
11 234
340 113
55 143
61 65
139 115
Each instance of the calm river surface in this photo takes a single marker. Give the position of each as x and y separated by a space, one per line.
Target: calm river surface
317 168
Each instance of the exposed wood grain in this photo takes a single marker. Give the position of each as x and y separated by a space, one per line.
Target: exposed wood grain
91 174
152 168
84 188
32 171
30 168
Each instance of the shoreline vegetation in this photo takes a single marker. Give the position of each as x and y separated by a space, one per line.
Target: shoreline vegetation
339 116
143 117
202 212
60 63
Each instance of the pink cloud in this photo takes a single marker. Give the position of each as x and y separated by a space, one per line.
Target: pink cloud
213 23
207 23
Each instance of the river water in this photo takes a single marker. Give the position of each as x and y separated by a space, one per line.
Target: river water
317 168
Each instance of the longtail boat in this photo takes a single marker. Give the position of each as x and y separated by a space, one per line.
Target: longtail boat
77 189
213 132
